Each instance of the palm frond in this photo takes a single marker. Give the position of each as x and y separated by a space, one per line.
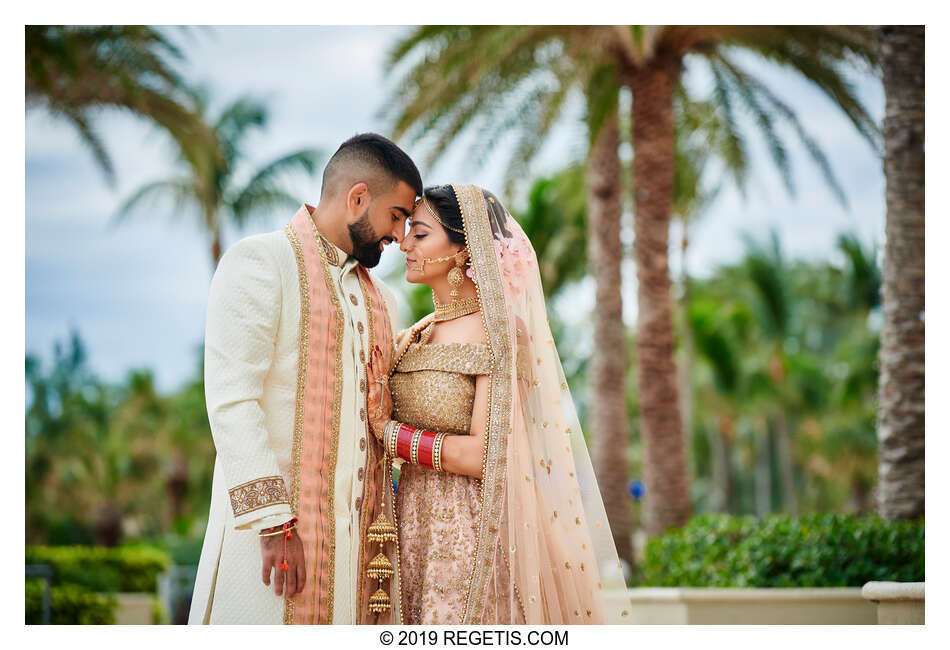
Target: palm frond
264 183
178 191
494 80
823 69
739 86
92 139
260 201
754 89
734 146
765 268
234 123
74 70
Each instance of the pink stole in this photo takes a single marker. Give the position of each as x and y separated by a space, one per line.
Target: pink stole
317 427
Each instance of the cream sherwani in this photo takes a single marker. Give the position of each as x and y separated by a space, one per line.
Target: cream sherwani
251 355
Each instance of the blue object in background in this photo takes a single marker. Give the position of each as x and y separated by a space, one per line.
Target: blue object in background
636 488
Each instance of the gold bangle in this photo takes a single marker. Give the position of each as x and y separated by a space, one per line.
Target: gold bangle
437 452
276 532
393 438
414 448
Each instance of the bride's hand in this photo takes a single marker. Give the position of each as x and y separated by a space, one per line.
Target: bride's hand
379 400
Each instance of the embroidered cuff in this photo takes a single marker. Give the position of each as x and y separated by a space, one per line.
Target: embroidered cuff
257 494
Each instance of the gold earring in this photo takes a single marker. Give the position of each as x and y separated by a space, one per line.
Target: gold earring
455 276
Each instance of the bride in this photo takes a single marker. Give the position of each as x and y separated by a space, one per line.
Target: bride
498 512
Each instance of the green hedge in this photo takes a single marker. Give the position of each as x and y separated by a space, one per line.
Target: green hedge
99 569
69 605
782 551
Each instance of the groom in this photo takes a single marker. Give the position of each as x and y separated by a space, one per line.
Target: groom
293 316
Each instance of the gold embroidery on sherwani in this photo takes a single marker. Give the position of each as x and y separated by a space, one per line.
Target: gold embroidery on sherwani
303 346
257 494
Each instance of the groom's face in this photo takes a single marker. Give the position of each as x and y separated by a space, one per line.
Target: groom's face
376 222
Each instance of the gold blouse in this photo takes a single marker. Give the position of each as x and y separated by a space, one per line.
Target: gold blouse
433 386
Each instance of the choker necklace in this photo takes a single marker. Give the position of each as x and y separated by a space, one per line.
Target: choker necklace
456 308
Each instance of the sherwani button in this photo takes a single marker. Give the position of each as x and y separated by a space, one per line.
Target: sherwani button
359 474
359 326
353 299
362 444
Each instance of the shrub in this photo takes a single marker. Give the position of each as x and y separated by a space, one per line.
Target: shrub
69 605
779 551
99 569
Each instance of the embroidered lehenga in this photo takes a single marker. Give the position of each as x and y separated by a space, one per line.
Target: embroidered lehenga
529 542
433 387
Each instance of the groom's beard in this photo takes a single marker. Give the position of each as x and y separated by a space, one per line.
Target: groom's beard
365 244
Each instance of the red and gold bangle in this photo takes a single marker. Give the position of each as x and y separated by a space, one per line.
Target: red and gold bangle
424 453
417 446
404 441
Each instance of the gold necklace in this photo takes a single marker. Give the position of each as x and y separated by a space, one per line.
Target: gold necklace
456 308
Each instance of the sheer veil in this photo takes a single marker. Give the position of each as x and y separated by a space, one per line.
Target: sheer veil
542 527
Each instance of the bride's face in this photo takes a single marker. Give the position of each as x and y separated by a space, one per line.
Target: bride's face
427 239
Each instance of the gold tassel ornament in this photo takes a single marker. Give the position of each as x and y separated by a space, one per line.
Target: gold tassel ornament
379 602
380 568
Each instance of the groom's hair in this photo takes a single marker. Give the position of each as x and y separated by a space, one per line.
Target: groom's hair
372 159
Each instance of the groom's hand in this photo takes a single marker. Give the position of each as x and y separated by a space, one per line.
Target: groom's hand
292 581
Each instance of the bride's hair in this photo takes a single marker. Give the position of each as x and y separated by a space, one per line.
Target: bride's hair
442 198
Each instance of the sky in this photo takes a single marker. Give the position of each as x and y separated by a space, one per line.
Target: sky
136 291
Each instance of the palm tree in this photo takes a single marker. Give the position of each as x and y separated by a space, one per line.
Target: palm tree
214 190
901 390
74 71
654 60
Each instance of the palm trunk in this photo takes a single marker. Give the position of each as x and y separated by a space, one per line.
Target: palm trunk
901 387
860 494
108 524
786 465
667 495
763 472
608 359
689 353
176 484
721 447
